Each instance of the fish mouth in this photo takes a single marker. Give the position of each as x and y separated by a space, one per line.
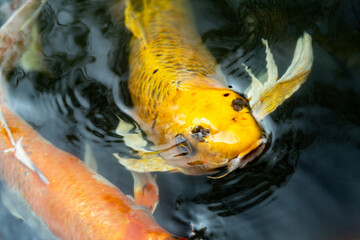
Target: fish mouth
244 158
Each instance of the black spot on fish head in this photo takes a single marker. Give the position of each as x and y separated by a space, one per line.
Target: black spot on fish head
238 104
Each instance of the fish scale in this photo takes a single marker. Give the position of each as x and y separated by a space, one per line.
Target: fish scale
176 86
175 51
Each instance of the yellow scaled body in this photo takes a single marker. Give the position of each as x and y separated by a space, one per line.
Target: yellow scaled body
181 99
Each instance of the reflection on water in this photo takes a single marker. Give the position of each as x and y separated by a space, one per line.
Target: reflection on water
306 185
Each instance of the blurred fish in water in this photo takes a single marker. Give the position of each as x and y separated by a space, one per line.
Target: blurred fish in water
181 99
16 33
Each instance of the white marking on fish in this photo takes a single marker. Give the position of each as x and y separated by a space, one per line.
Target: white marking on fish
19 151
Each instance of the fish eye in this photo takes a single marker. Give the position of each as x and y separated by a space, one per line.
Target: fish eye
199 133
182 145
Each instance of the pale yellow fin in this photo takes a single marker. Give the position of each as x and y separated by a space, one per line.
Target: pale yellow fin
33 58
15 34
220 76
89 158
132 136
19 208
10 205
146 190
149 163
133 23
265 98
117 11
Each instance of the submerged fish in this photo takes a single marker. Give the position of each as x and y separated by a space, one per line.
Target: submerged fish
76 203
181 99
60 194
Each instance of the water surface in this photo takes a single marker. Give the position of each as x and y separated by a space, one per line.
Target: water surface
306 185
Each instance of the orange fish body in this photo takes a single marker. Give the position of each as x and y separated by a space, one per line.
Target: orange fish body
180 96
77 203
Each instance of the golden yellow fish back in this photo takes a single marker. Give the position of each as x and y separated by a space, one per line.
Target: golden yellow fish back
166 52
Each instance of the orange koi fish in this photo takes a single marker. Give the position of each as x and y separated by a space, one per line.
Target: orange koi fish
181 99
71 200
76 203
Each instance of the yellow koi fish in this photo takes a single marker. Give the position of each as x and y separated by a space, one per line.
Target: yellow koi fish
181 99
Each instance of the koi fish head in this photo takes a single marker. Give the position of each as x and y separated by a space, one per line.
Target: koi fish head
217 129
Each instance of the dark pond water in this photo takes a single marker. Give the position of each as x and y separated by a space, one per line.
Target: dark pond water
306 185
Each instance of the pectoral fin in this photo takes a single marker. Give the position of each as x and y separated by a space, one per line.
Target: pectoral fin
89 158
9 204
265 98
132 135
146 191
15 34
147 163
33 59
117 11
